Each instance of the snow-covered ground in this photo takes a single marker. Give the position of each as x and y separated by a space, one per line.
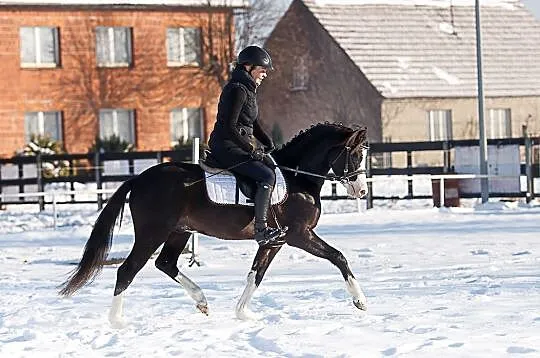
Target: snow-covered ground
461 282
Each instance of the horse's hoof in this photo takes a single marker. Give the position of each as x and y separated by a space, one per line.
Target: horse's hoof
360 305
248 315
203 308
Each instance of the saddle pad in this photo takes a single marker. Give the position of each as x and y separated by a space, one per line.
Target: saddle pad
221 189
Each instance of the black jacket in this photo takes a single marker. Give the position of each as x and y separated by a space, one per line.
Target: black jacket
237 125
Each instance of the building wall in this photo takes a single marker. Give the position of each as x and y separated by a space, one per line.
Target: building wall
406 119
336 90
79 88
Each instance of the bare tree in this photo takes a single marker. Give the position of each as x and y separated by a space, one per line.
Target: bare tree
254 23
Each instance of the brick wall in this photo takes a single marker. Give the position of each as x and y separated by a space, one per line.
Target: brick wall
79 88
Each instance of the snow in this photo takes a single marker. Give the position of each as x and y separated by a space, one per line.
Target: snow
460 282
445 76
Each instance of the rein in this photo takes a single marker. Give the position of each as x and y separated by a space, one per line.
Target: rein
331 177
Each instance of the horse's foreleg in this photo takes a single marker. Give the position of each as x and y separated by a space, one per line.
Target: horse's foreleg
262 260
167 260
310 242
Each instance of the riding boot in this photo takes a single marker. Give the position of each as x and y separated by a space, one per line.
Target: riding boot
264 235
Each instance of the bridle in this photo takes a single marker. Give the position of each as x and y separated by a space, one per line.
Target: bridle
344 179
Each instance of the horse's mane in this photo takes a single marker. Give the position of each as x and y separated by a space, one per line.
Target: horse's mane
314 132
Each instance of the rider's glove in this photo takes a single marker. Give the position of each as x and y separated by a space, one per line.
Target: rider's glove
258 154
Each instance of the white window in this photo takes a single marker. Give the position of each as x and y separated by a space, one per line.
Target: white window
499 123
117 122
186 123
39 46
183 46
46 124
300 74
440 125
113 46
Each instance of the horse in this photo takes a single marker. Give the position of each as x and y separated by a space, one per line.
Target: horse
169 201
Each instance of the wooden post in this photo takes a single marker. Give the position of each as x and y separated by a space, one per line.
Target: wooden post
195 236
39 179
97 171
369 196
529 196
409 181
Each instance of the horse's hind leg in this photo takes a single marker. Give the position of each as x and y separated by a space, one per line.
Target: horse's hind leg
310 242
262 260
137 258
167 261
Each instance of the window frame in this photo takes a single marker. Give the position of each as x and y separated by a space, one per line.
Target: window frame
114 111
40 117
111 62
185 119
495 114
181 62
300 74
37 48
436 115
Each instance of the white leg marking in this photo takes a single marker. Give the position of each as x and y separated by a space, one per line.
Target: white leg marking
116 312
193 291
242 307
354 289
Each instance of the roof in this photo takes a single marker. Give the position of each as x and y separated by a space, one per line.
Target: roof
219 3
425 48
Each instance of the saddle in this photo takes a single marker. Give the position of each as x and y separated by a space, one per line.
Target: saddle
226 187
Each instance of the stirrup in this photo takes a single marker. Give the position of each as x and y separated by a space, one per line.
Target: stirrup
272 237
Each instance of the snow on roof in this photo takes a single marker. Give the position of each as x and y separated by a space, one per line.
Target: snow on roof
407 50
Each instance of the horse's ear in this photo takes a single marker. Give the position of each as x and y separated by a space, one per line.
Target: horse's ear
357 138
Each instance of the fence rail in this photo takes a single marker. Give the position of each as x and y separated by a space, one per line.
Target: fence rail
34 173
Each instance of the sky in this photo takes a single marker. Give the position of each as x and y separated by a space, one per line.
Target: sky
534 6
460 282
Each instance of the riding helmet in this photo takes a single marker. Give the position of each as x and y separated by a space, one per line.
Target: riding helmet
255 55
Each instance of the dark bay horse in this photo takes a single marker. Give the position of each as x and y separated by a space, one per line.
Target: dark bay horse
169 201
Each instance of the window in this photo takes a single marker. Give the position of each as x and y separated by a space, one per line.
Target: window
499 123
113 46
300 75
118 122
47 124
39 46
186 123
440 124
183 46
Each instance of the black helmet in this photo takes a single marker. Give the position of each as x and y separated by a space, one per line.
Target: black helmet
255 55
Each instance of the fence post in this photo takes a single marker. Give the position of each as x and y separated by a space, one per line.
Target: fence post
369 196
195 236
441 193
446 154
39 175
528 164
0 186
97 168
409 170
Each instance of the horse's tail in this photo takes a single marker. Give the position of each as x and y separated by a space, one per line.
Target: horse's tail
99 243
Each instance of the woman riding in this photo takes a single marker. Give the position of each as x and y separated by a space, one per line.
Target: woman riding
237 136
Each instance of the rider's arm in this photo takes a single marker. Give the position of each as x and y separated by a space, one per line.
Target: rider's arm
261 135
237 98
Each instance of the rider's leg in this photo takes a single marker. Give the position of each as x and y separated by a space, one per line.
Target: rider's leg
265 178
264 234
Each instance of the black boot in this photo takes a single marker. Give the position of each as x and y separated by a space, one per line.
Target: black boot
264 235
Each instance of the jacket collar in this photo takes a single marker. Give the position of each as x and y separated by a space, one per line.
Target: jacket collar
240 75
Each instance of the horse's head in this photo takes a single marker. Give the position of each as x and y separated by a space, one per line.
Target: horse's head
348 162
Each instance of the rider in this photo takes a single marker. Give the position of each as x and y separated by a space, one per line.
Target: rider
237 130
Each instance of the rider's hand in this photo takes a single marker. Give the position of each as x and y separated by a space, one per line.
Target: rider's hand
258 154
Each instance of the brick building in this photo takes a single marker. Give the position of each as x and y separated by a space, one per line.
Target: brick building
147 71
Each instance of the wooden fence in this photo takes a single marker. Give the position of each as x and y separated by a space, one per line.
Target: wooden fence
31 174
